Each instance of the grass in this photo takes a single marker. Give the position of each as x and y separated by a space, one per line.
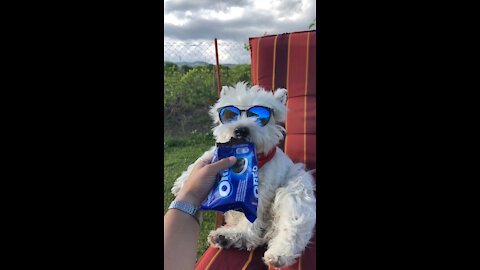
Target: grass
179 152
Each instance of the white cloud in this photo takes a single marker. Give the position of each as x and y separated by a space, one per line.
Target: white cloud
172 19
223 15
232 21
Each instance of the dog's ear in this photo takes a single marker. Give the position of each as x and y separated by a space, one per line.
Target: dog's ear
281 95
225 90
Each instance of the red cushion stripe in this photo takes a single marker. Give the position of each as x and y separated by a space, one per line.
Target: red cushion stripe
288 60
248 260
297 65
295 77
305 101
254 57
312 65
265 61
257 261
281 53
295 266
257 61
311 151
232 259
207 258
296 115
309 256
288 87
274 56
295 149
227 259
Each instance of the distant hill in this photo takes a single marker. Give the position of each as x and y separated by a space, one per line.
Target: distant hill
196 64
190 64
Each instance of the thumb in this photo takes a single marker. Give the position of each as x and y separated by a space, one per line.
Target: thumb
223 164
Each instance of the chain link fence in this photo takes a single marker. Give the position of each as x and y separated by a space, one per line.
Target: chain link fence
190 84
203 52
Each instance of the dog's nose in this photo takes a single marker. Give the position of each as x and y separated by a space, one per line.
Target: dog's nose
241 132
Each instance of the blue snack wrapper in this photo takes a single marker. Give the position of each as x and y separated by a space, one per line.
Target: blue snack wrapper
237 187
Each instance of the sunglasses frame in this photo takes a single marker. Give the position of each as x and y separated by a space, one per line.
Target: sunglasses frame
270 110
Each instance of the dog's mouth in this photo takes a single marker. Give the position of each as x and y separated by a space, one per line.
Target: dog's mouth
235 140
241 138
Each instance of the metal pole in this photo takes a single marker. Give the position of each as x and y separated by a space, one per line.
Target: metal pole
219 220
219 85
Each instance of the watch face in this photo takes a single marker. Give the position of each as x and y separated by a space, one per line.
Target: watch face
240 166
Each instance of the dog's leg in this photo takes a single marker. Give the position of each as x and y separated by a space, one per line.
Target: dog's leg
238 233
294 221
177 186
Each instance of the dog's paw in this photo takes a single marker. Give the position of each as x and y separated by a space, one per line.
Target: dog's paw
224 239
278 261
249 245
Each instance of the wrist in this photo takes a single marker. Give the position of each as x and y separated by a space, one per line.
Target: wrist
187 208
190 198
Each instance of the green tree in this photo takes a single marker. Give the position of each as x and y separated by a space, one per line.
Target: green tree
236 74
197 87
168 65
171 83
184 69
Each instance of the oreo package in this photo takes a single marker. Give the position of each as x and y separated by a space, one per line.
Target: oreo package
237 187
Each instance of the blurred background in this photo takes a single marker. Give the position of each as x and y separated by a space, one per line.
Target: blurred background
190 85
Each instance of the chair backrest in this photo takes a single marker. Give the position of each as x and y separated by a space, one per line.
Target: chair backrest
289 61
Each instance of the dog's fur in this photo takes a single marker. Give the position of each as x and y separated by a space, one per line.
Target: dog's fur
286 205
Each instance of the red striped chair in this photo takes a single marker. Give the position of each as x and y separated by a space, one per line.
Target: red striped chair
281 61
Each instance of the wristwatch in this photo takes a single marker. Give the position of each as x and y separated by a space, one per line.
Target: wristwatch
187 208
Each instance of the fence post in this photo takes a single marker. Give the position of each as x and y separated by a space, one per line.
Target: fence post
219 85
219 219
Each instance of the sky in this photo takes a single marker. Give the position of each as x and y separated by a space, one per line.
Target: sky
191 25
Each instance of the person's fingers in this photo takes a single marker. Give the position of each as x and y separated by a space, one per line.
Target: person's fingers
201 163
204 160
208 156
223 164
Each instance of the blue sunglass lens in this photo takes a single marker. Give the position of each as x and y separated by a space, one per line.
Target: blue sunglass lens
229 114
262 114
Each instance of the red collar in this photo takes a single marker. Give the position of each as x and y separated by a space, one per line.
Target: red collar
262 159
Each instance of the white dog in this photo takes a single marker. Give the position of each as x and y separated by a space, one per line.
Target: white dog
286 205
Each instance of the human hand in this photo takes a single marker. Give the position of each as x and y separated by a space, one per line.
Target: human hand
202 178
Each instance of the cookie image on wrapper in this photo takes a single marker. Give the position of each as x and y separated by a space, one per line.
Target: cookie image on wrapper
240 166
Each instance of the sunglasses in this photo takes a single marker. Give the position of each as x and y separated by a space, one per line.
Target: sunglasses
229 114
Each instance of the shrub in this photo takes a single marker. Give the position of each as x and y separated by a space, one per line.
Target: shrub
189 93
